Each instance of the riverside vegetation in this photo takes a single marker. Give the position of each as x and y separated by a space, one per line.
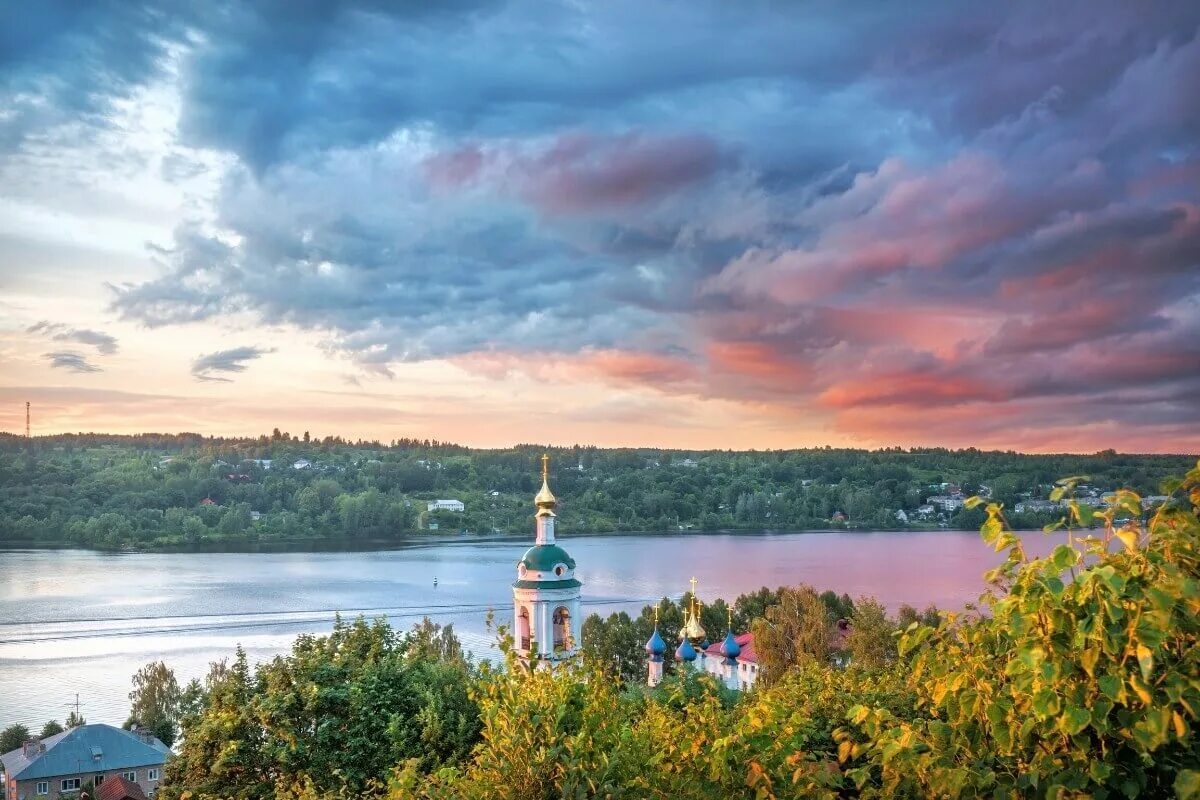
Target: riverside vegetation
171 491
1077 676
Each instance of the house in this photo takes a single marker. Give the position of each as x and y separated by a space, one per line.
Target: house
447 505
208 501
302 463
1037 506
948 502
688 463
59 765
264 463
1153 501
119 788
902 516
926 511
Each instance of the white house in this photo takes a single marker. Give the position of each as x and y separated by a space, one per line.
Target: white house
447 505
302 463
948 502
902 516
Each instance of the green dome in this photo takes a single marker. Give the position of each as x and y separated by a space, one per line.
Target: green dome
544 557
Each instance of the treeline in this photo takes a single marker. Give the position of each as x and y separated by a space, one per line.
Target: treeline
158 490
1077 678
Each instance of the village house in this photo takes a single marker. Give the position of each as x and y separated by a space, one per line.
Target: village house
60 765
446 505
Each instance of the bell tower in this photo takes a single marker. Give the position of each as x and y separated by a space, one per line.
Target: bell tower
546 593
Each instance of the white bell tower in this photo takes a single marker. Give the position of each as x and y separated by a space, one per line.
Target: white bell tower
546 594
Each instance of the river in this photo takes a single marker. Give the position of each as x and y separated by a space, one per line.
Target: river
82 622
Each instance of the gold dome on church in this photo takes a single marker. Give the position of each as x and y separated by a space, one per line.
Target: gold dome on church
545 498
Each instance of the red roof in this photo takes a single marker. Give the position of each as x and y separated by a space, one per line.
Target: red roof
117 788
745 641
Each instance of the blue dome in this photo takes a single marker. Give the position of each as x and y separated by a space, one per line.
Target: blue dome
705 644
730 648
656 646
685 651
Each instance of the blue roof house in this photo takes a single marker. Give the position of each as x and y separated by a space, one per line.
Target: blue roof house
58 766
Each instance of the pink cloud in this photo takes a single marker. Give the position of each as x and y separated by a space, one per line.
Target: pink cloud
582 172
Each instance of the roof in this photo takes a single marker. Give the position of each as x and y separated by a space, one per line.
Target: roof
117 788
569 583
544 557
745 641
71 752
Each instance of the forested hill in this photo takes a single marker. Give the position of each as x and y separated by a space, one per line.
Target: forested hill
157 490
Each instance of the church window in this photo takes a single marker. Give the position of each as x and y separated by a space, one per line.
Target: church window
562 628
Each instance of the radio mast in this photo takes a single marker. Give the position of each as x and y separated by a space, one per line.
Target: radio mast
26 419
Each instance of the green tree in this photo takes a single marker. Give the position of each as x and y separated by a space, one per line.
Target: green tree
155 701
75 720
13 737
333 716
794 630
1080 681
872 639
51 728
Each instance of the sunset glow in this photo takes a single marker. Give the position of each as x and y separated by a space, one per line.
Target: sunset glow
977 226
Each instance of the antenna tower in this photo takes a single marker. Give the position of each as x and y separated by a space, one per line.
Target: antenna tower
26 419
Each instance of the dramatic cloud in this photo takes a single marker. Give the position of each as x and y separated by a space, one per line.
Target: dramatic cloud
71 361
850 218
104 344
209 367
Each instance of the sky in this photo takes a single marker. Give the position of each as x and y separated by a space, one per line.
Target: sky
693 224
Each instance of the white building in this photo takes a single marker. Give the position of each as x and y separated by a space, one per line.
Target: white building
948 502
302 463
902 516
447 505
546 593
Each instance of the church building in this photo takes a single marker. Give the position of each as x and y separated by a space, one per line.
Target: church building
733 661
546 593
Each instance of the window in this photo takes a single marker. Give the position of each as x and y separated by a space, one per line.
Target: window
43 787
99 779
562 628
130 776
69 785
151 774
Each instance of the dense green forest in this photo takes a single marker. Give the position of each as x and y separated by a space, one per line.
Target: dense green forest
1077 677
153 490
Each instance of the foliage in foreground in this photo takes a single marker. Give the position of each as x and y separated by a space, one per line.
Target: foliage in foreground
332 717
1082 680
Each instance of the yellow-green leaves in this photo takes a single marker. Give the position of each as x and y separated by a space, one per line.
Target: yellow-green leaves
1145 661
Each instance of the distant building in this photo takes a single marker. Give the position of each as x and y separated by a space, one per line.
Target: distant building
926 511
59 765
1153 501
447 505
302 463
902 516
264 463
208 501
948 502
1037 506
687 462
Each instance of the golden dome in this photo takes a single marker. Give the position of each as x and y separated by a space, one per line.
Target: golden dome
545 497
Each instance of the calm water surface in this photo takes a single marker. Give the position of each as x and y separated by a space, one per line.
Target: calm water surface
74 621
